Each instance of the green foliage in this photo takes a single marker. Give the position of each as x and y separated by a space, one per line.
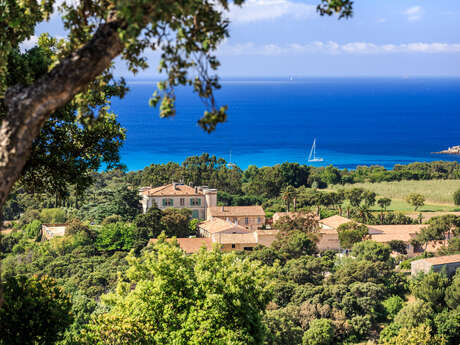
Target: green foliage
398 246
456 197
416 200
294 244
176 222
392 306
177 299
283 326
320 332
414 314
384 203
115 236
53 216
431 288
114 218
33 229
34 311
371 251
447 325
351 233
453 292
420 335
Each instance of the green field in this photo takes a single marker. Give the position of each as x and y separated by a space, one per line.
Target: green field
438 193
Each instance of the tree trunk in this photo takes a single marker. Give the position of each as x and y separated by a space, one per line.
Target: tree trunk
29 107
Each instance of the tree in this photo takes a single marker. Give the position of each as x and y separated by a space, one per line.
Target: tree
321 332
431 288
456 197
288 195
115 236
176 222
398 246
33 229
34 311
283 326
98 33
420 335
371 251
384 203
169 297
453 292
351 233
416 200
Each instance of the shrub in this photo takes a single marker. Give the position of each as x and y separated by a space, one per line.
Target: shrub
33 229
457 197
392 306
321 332
53 216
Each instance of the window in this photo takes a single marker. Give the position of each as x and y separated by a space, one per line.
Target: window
168 202
195 214
246 221
258 220
233 245
248 248
195 202
182 201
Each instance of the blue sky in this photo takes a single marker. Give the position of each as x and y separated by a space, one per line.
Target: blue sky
285 37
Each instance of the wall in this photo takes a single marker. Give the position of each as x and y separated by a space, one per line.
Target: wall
252 225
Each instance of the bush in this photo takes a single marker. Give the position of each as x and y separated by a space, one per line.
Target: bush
116 236
53 216
457 197
321 332
392 306
33 229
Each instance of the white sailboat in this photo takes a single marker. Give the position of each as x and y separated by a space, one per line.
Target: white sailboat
312 157
230 164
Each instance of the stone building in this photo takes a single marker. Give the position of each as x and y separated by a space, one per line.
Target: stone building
449 263
177 195
250 217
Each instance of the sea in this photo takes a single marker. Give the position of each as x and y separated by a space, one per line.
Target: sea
356 121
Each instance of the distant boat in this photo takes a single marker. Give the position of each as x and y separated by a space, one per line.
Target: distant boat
312 157
230 164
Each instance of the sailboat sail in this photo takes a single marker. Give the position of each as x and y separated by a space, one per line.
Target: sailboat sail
312 157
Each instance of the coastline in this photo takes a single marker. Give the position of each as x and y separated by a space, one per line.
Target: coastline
454 150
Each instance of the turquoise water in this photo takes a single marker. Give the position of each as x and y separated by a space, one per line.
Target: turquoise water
355 121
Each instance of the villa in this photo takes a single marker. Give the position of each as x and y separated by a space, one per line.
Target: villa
250 217
177 195
53 230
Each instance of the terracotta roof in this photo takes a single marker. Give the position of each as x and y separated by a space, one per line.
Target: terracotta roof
387 233
249 238
440 260
216 225
170 190
190 245
334 221
236 211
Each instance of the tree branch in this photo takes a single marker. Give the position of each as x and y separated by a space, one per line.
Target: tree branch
29 107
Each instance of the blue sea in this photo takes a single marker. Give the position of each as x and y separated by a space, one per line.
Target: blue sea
356 121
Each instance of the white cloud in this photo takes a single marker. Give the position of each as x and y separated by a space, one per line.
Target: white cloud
30 43
258 10
334 48
414 13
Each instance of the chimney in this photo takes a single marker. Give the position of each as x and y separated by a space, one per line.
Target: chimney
196 190
175 185
223 208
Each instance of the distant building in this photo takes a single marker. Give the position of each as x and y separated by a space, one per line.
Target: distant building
250 217
449 262
53 230
176 195
227 241
215 226
190 245
332 223
405 233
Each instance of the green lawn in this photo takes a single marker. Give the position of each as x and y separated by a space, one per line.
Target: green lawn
436 192
403 206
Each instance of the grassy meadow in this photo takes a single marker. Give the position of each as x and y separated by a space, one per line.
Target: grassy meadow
438 193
